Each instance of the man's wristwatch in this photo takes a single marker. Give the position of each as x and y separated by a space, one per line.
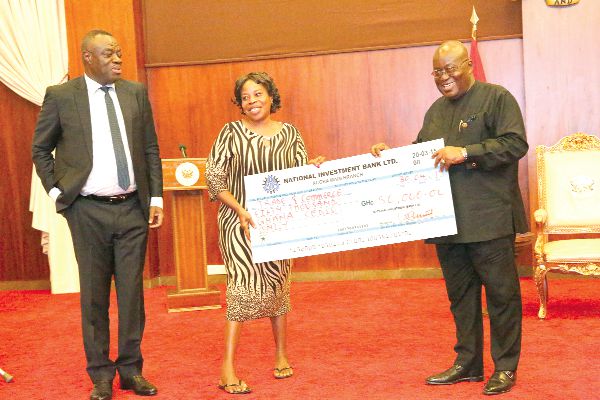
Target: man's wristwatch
465 155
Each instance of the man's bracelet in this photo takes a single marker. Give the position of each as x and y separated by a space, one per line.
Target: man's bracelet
465 155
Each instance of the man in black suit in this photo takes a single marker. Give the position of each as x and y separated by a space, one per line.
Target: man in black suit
484 137
106 179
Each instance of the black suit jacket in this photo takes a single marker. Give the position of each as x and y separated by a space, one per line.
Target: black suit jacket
64 125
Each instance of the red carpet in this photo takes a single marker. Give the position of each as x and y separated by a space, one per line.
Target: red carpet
347 340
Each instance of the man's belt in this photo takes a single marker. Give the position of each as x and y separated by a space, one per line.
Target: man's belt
115 199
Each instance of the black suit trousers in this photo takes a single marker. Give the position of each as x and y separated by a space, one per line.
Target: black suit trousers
110 240
466 267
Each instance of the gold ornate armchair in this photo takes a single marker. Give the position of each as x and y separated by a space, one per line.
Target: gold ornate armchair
569 203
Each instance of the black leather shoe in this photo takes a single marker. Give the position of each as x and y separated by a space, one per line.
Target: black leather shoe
139 385
500 382
454 374
102 390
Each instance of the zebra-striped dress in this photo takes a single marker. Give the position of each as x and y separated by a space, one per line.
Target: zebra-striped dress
253 290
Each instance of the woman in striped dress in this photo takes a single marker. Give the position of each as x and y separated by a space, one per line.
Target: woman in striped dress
252 145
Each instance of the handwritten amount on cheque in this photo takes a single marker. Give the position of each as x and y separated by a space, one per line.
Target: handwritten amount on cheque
405 202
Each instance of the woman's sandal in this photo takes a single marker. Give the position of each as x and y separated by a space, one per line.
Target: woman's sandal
241 387
277 372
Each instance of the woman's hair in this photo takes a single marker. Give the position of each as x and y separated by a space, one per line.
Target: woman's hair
262 78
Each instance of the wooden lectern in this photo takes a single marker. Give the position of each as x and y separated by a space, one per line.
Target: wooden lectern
185 178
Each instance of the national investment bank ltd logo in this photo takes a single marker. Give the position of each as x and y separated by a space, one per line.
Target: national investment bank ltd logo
270 184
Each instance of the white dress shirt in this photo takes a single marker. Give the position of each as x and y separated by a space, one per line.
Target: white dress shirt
103 180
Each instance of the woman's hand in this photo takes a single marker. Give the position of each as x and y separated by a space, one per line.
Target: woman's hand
317 161
376 149
245 221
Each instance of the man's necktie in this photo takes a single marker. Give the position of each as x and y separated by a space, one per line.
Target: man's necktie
115 132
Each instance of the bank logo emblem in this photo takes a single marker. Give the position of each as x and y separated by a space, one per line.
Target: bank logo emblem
271 184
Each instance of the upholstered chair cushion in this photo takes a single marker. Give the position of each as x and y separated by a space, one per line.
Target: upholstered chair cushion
572 189
574 250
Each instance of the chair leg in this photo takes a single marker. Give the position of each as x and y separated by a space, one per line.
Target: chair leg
542 287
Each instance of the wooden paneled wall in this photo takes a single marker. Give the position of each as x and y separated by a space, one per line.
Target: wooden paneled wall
21 255
342 104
